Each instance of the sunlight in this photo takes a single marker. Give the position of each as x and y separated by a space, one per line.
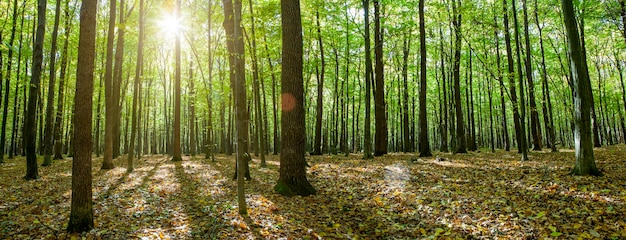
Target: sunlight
170 25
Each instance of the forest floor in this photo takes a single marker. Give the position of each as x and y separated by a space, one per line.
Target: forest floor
398 196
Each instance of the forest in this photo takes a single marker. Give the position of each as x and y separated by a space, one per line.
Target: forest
312 119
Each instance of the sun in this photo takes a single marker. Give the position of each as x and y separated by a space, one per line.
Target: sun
170 24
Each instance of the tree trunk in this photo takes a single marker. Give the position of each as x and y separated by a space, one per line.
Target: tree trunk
58 144
257 97
460 130
48 140
208 147
535 127
117 82
136 89
367 142
380 110
505 131
30 130
585 161
107 162
7 83
81 216
407 145
176 153
237 68
424 145
511 76
444 109
317 142
547 103
523 139
292 180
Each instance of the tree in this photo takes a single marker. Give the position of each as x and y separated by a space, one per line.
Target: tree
367 149
380 110
48 132
30 129
107 162
511 77
581 91
81 216
7 81
176 154
58 144
460 129
136 88
535 127
237 65
292 180
317 141
424 146
522 134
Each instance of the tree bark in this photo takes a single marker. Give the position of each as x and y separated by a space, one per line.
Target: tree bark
30 130
257 97
81 215
7 83
380 110
511 77
176 153
107 162
58 143
535 126
424 145
367 142
585 161
48 140
523 139
292 180
460 129
317 141
548 119
136 89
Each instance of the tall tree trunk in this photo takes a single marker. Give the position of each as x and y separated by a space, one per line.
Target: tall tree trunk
380 110
407 145
7 83
136 89
548 119
81 215
257 97
523 139
176 153
460 130
292 180
16 103
317 142
505 130
424 145
535 127
48 140
232 26
444 110
209 148
192 111
241 109
597 142
585 161
276 142
58 144
511 77
367 142
117 81
30 130
107 162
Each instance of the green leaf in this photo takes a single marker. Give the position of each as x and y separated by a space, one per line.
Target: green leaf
594 233
556 234
540 214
